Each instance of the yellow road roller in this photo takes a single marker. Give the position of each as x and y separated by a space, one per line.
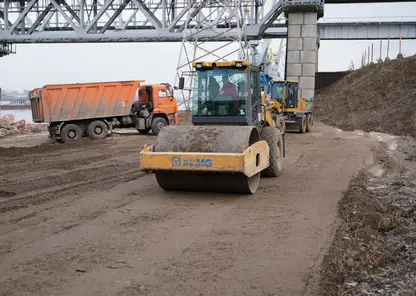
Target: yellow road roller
235 137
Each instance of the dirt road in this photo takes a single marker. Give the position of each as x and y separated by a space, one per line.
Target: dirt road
82 220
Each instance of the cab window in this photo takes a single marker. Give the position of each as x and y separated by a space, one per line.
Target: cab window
164 93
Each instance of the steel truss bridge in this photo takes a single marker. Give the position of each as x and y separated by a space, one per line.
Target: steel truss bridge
80 21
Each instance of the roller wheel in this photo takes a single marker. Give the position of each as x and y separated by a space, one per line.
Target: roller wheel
157 124
71 132
207 182
310 123
97 130
302 124
210 139
274 139
144 131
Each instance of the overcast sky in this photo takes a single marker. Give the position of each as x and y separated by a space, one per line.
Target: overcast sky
39 64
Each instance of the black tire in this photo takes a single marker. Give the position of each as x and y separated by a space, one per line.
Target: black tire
145 131
97 129
70 132
309 121
302 124
274 139
157 124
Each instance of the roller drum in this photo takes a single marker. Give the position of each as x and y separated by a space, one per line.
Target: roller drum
208 139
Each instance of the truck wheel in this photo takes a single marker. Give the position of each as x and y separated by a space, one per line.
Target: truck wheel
71 132
302 124
144 131
157 124
97 130
309 124
274 139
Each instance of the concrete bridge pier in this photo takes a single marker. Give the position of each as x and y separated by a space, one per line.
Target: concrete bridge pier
302 45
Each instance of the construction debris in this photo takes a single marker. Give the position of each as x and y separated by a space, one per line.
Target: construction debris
9 126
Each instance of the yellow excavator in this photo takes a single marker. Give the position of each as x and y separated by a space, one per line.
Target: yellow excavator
235 138
295 109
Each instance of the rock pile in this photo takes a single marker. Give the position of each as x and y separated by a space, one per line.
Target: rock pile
9 126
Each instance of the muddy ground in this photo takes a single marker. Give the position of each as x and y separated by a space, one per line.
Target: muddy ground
83 220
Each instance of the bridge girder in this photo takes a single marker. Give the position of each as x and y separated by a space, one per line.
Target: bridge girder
50 21
81 21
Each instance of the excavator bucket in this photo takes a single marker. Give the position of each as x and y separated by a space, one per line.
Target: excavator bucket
207 158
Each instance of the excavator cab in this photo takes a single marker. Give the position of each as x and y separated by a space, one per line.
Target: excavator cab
285 92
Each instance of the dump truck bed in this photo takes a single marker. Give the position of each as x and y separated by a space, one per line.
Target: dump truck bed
64 102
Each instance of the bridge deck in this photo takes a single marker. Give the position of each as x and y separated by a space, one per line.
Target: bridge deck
327 31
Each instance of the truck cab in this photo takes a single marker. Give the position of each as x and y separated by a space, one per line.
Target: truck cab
155 108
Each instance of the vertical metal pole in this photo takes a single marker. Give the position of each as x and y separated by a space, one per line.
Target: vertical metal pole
368 60
372 52
57 18
381 48
173 10
95 9
6 14
23 23
400 43
82 14
135 18
37 9
164 14
365 55
388 47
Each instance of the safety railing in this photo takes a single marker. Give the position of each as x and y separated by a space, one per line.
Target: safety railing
357 20
303 2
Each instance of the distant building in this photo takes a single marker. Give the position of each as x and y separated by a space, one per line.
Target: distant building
14 99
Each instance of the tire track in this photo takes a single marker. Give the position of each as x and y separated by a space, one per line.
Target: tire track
59 219
45 195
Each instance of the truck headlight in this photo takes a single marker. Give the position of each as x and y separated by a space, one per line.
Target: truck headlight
199 65
238 64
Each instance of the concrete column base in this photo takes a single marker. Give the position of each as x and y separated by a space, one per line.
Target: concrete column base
302 51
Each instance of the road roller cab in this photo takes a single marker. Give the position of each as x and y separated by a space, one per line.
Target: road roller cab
226 93
234 139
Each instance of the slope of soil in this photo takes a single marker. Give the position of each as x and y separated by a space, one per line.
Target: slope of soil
374 249
380 97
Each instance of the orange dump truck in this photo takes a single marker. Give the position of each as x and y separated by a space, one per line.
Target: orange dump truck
95 109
